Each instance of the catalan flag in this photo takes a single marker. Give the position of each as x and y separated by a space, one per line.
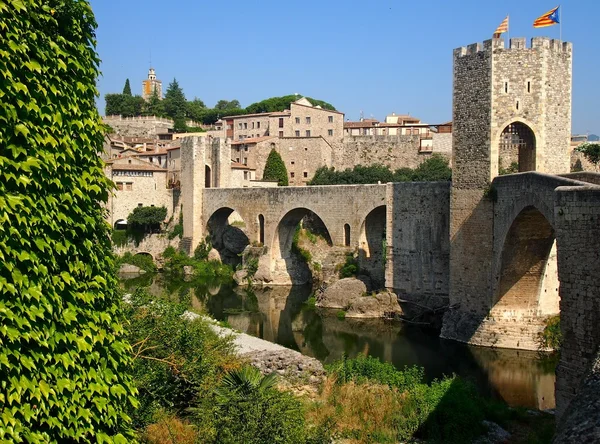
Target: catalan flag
502 28
548 19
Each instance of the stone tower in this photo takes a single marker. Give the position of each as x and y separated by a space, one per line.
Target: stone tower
150 85
511 113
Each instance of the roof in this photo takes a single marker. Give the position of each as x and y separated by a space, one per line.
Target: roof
173 147
240 166
320 109
251 140
151 153
241 116
285 113
363 124
137 167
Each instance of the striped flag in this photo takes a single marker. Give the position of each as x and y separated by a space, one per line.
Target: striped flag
502 28
548 19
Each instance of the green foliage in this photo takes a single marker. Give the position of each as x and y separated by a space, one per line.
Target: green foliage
144 261
512 169
64 361
274 104
119 237
305 255
275 169
251 410
195 109
591 152
147 219
202 270
154 106
202 250
177 230
366 368
227 105
127 88
551 336
311 302
341 315
350 267
176 359
169 252
175 104
434 169
124 105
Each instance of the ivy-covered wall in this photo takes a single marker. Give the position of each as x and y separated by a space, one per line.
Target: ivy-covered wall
63 362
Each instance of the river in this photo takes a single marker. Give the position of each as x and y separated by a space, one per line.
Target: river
280 315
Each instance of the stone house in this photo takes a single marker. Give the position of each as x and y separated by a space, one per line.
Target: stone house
138 183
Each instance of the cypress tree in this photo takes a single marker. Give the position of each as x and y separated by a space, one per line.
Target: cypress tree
64 362
275 169
127 88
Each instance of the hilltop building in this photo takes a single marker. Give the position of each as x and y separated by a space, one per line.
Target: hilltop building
151 85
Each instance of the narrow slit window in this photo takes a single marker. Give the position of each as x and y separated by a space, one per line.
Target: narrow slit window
506 87
517 104
528 87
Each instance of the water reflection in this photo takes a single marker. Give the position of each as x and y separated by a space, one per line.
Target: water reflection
279 315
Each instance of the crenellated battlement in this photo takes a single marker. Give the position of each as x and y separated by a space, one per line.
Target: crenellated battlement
537 43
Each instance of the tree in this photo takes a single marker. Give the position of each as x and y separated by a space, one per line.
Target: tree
147 219
127 88
274 104
154 106
225 104
64 362
275 169
174 102
114 104
195 109
591 152
124 105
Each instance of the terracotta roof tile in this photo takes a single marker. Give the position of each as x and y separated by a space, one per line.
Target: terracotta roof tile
251 140
137 167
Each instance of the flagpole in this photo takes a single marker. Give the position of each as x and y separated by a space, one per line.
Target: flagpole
508 31
560 23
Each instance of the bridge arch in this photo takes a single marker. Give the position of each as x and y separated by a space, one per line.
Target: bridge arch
226 230
527 282
286 227
372 244
516 145
144 253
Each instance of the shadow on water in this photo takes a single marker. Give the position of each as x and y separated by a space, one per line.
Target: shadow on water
280 315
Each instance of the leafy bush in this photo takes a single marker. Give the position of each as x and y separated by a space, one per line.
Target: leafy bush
513 168
169 252
275 169
175 359
64 361
366 368
341 315
551 337
147 219
120 237
251 410
591 152
144 261
202 250
435 168
349 268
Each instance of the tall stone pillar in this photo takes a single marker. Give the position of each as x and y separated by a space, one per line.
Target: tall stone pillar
193 150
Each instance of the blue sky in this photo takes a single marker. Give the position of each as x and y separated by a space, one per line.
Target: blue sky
377 57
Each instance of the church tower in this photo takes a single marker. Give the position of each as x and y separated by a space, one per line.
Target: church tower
150 85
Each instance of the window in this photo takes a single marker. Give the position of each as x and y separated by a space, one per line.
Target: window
257 124
505 87
129 160
281 122
129 186
150 159
308 120
307 133
297 120
292 162
280 133
528 87
245 161
140 205
292 174
237 159
517 105
246 148
330 132
330 119
306 174
245 175
245 125
240 125
297 133
252 125
120 186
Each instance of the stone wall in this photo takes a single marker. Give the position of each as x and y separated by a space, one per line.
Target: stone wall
392 151
418 247
147 127
577 213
